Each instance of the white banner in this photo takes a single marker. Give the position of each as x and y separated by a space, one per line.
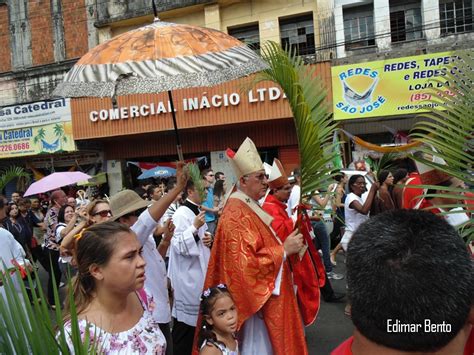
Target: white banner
35 114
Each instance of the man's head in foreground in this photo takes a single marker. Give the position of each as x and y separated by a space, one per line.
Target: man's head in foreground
411 285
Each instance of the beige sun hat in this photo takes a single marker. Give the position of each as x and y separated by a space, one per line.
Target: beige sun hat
125 202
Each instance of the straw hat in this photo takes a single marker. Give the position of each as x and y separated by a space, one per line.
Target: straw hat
246 160
125 202
277 176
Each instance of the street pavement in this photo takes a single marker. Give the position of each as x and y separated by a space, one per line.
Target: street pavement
330 329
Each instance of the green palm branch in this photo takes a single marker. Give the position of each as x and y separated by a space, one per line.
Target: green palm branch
448 130
39 136
313 121
12 173
28 327
195 175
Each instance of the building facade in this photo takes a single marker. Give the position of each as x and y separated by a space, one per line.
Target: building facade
405 45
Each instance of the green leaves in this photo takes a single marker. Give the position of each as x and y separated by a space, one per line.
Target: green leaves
313 120
11 173
26 324
448 130
195 175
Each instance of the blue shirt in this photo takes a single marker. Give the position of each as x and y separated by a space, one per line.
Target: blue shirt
209 203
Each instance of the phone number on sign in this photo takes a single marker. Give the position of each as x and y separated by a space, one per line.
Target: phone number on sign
14 146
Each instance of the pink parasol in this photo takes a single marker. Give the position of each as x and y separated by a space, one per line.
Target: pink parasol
55 181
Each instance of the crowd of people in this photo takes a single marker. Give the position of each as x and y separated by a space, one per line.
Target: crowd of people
241 269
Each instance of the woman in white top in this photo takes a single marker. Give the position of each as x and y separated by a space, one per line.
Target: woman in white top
108 293
356 210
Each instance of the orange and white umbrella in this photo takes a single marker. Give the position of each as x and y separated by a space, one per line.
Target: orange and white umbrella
159 57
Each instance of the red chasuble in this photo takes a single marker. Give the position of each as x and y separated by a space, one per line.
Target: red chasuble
304 271
247 257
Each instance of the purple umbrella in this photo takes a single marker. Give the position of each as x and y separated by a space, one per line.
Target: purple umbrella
55 181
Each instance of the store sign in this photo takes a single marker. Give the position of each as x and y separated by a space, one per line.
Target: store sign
389 87
35 114
187 104
37 128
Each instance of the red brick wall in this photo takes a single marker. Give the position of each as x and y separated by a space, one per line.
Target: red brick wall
39 13
75 28
5 58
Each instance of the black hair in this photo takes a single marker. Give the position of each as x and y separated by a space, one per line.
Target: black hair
3 201
62 212
150 190
208 299
219 188
218 175
399 174
382 176
171 183
353 179
205 172
189 186
409 266
339 176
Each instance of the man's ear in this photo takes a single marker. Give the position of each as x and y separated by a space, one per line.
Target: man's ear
96 272
470 319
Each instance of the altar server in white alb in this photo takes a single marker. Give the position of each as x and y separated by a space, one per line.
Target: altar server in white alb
189 256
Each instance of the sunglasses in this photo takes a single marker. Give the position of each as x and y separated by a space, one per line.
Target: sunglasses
210 175
103 213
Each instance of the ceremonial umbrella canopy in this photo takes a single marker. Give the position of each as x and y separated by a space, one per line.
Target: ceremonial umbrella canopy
159 57
158 172
55 181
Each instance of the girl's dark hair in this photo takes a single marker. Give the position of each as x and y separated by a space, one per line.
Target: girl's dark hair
95 246
62 212
219 188
382 176
353 179
150 190
399 174
208 300
9 208
339 176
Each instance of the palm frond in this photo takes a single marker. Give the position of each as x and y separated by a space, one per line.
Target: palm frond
195 175
12 173
313 121
448 130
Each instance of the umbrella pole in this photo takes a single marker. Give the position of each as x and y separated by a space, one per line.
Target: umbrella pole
173 114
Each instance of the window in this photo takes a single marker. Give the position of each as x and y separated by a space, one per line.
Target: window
297 34
455 16
359 27
405 21
248 34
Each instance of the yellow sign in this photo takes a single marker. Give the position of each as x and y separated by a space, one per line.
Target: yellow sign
388 87
47 139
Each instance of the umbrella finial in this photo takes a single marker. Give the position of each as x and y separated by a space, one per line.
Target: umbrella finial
155 11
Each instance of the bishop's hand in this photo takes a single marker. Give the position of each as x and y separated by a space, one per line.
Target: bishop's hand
293 243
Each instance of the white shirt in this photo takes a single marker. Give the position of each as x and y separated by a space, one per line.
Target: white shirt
294 199
10 250
353 219
187 266
156 282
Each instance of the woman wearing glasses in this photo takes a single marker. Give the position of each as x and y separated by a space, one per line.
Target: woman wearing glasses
98 211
